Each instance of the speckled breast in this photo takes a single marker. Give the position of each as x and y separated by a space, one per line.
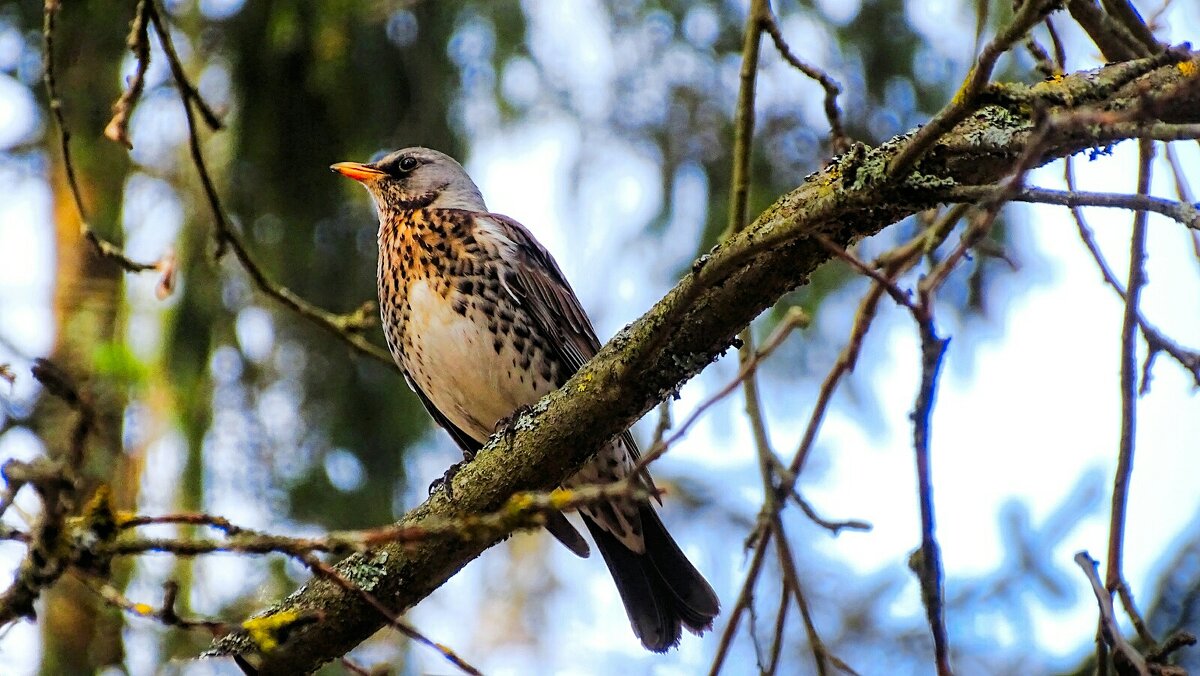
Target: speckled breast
461 336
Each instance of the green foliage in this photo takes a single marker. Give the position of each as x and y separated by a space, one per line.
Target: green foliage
116 362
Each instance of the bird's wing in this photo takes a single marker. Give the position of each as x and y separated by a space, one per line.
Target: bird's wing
544 292
546 295
466 442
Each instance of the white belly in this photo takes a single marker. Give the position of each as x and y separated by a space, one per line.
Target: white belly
454 361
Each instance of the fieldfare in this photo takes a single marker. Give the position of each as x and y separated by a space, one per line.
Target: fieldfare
482 322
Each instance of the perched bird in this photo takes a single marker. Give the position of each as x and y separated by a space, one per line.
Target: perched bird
482 322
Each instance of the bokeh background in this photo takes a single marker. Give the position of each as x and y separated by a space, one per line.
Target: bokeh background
604 126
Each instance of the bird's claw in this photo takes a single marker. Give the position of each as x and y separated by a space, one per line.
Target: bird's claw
445 481
508 424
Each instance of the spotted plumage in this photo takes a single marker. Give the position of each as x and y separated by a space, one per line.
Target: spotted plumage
483 322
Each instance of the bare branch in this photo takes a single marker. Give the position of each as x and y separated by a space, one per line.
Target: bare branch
139 43
744 600
834 527
102 247
1109 628
1114 41
837 135
348 328
1156 341
526 510
1114 577
1028 15
1185 214
165 615
928 564
1124 14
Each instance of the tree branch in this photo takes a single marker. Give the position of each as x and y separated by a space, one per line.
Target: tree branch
697 321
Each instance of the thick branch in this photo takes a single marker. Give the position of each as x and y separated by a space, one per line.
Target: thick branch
695 323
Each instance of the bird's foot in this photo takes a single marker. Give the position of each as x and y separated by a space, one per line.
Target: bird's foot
445 481
508 424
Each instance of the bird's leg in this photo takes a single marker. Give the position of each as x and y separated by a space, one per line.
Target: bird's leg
508 424
445 480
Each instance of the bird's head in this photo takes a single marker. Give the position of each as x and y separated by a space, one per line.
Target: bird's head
415 178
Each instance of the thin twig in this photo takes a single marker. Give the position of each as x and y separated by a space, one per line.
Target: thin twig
1028 15
348 328
837 135
791 581
166 614
933 351
745 598
1044 63
101 246
743 124
1115 43
990 203
1182 212
894 263
748 358
319 567
777 635
1129 375
1109 628
139 43
522 510
927 564
899 295
1167 131
756 22
1156 340
190 518
760 19
1182 189
1060 52
834 527
1135 617
794 319
1124 13
187 91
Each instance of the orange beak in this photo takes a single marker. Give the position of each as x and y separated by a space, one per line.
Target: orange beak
359 172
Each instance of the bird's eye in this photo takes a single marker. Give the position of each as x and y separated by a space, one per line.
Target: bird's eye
407 164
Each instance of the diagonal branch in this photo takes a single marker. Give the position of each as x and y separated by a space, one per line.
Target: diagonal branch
348 328
697 321
963 103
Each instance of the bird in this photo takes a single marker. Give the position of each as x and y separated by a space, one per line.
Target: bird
483 323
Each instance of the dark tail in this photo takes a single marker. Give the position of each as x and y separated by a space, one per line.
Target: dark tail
564 532
662 590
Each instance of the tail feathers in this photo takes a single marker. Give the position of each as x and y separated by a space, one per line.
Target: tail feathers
662 591
564 532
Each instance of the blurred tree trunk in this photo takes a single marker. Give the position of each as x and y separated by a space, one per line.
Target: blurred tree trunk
79 634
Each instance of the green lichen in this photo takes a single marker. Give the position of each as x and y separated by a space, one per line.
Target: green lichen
368 570
919 181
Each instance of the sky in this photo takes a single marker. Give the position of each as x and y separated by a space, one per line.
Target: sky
1021 416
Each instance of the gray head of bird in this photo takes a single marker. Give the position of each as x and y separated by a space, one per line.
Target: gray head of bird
415 178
